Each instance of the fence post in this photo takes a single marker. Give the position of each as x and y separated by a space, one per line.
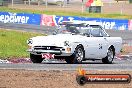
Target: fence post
82 6
12 2
38 2
121 10
46 3
28 2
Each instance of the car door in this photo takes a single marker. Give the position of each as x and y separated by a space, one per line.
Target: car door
104 42
96 47
102 46
97 44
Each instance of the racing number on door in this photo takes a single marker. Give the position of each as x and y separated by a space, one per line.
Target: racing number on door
100 46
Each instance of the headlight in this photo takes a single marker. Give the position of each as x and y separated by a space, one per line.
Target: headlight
30 41
68 50
66 43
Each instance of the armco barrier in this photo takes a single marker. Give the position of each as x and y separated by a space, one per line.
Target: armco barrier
20 18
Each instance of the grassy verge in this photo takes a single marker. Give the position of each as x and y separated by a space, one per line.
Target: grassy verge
13 43
66 13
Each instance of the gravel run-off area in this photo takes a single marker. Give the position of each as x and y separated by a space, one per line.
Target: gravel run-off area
52 79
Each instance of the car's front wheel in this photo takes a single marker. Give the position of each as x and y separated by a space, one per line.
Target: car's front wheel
109 58
36 58
77 57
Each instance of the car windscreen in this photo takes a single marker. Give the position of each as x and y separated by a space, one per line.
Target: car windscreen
91 30
68 29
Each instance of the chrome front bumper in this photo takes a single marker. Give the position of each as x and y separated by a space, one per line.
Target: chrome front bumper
57 53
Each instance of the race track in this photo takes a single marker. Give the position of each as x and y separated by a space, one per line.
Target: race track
123 65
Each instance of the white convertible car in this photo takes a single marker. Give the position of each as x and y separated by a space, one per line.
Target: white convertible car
75 44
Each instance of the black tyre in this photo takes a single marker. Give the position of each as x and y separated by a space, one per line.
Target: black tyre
77 57
109 58
36 58
81 80
79 54
69 60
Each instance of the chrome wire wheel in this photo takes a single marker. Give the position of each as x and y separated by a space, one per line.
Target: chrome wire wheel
79 54
109 58
77 57
110 55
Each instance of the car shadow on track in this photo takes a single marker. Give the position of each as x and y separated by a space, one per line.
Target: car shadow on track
85 62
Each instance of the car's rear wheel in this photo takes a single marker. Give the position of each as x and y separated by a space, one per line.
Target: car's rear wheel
77 57
36 58
109 58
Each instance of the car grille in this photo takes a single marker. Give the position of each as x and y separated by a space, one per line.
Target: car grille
49 48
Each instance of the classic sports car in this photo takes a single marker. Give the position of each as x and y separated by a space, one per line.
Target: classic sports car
75 45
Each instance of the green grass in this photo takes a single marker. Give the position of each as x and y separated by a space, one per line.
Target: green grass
67 13
13 43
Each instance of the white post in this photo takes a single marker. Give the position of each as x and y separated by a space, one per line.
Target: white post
82 7
64 3
38 2
46 3
12 3
121 11
28 2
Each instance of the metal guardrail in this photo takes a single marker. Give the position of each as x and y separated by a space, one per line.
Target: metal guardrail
28 28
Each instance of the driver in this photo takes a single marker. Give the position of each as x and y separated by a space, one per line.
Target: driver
68 29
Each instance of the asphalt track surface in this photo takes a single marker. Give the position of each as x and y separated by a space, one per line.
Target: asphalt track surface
119 64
